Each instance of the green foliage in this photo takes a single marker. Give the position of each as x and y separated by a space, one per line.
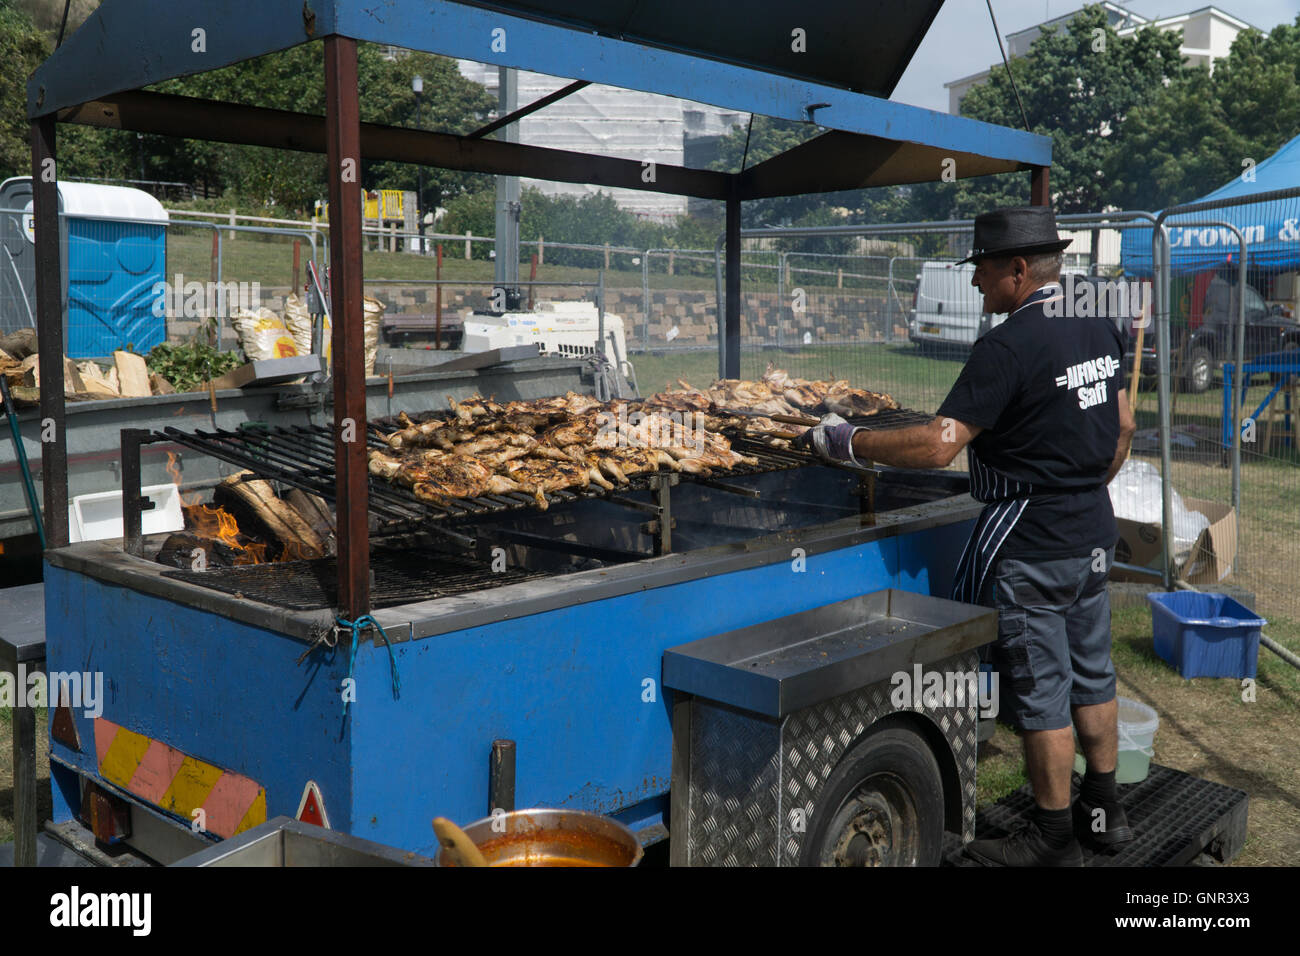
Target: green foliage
1078 85
1194 135
22 48
591 219
188 366
293 80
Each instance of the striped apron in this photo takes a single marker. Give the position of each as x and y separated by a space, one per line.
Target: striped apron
1004 500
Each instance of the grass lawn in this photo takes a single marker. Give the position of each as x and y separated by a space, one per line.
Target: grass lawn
1206 729
269 261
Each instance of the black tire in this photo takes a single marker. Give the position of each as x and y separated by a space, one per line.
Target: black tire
1200 369
881 806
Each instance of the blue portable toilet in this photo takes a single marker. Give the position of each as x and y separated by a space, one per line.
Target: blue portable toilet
114 242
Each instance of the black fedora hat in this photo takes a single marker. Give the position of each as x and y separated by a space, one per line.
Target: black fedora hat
1015 230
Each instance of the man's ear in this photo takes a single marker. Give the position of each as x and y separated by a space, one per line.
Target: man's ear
1020 267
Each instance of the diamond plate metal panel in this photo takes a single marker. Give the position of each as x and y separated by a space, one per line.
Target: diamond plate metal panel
733 787
754 782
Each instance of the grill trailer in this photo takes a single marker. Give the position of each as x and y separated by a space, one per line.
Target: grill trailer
218 710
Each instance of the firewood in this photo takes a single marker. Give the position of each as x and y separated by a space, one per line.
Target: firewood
98 388
19 344
32 371
160 385
281 520
72 383
132 375
90 370
313 510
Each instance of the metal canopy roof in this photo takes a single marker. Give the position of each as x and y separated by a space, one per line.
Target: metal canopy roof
709 51
864 45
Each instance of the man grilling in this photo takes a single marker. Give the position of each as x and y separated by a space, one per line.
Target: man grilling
1040 409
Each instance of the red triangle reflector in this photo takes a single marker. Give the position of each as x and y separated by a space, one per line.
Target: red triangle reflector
311 809
63 728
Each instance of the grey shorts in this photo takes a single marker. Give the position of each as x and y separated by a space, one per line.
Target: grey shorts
1053 646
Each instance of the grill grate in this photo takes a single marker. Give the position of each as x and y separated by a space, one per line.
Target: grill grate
303 457
400 578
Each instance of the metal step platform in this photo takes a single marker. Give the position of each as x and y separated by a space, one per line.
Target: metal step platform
1178 819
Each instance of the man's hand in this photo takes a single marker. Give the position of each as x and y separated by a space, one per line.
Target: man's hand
832 440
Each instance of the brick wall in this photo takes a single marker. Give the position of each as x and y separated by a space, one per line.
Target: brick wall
827 316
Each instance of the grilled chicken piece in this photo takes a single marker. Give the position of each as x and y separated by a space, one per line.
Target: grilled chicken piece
471 409
538 476
805 396
582 431
687 400
750 396
843 399
635 461
589 460
384 466
434 433
459 477
436 478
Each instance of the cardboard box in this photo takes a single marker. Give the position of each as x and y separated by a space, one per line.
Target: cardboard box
1207 563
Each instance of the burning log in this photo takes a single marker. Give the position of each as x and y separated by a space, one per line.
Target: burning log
317 514
182 550
255 497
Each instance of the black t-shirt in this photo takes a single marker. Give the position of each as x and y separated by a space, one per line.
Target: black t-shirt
1045 390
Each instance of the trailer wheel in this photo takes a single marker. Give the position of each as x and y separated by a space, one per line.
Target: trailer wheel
881 806
1200 370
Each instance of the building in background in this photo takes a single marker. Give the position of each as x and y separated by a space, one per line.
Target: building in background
1207 36
614 122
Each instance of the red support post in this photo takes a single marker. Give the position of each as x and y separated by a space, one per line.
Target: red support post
1039 192
343 154
49 331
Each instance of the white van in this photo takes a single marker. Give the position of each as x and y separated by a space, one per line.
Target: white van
947 311
946 308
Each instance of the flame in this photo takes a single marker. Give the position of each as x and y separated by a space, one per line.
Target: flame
174 471
218 523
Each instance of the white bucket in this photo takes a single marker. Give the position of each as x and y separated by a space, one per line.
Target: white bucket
1138 724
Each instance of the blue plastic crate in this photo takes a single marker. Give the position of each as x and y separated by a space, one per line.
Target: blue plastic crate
1205 635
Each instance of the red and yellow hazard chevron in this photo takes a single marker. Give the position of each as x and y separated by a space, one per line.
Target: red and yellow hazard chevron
177 782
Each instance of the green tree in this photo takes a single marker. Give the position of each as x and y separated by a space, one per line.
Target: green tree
1194 135
293 80
22 48
1079 85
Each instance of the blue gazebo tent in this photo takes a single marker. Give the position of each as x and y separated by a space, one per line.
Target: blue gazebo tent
1272 229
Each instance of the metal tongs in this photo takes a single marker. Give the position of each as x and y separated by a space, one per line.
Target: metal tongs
806 421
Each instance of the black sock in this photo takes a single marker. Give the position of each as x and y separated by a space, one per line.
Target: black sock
1055 825
1098 789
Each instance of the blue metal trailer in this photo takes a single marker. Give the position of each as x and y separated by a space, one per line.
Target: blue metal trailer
567 665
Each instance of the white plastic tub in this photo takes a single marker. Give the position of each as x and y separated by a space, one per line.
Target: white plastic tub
97 516
1138 724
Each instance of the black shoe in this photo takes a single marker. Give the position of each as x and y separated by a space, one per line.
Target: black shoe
1024 846
1116 830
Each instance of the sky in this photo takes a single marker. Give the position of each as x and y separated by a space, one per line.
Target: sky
961 40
